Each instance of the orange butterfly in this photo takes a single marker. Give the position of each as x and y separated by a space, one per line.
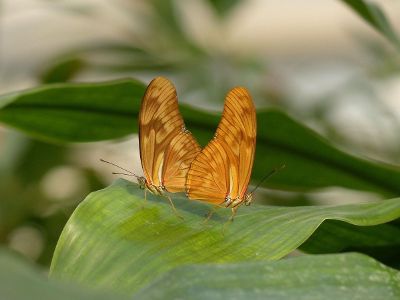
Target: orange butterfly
167 148
221 172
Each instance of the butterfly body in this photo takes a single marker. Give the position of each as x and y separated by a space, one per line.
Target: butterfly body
144 184
229 202
157 190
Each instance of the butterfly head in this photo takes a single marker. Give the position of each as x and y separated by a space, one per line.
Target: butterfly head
142 182
248 198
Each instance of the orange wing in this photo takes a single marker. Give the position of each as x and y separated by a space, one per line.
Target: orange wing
166 147
223 168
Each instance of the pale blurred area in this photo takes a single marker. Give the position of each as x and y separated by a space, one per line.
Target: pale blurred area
32 31
313 49
316 59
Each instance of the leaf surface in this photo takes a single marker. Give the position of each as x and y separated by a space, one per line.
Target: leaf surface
19 280
349 276
115 240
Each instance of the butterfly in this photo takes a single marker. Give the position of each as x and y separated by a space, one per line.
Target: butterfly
221 172
167 148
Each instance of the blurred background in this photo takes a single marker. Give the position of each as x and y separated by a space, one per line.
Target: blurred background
315 59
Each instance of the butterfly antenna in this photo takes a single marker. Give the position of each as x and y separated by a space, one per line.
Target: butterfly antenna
120 173
273 171
130 173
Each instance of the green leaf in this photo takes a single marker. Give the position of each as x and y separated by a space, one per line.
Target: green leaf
335 236
350 276
326 277
20 281
167 23
312 162
63 70
92 112
115 240
381 241
223 7
75 112
375 17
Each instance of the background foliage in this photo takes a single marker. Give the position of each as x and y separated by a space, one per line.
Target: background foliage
115 242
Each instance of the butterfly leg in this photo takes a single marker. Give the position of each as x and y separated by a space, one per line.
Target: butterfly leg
173 206
234 210
145 198
231 218
210 213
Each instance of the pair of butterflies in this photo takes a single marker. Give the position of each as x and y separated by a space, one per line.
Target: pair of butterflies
173 161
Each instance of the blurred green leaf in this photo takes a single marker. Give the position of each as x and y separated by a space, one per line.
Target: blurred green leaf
375 17
381 241
167 25
37 159
312 162
167 17
92 112
335 236
20 280
75 112
20 192
223 7
350 276
12 147
63 70
104 57
24 201
116 240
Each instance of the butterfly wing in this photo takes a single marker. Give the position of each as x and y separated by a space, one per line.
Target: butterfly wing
166 147
223 168
178 157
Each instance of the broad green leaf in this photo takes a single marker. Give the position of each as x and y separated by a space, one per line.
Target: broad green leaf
92 112
75 112
326 277
116 240
335 236
351 276
19 280
312 162
375 17
380 241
